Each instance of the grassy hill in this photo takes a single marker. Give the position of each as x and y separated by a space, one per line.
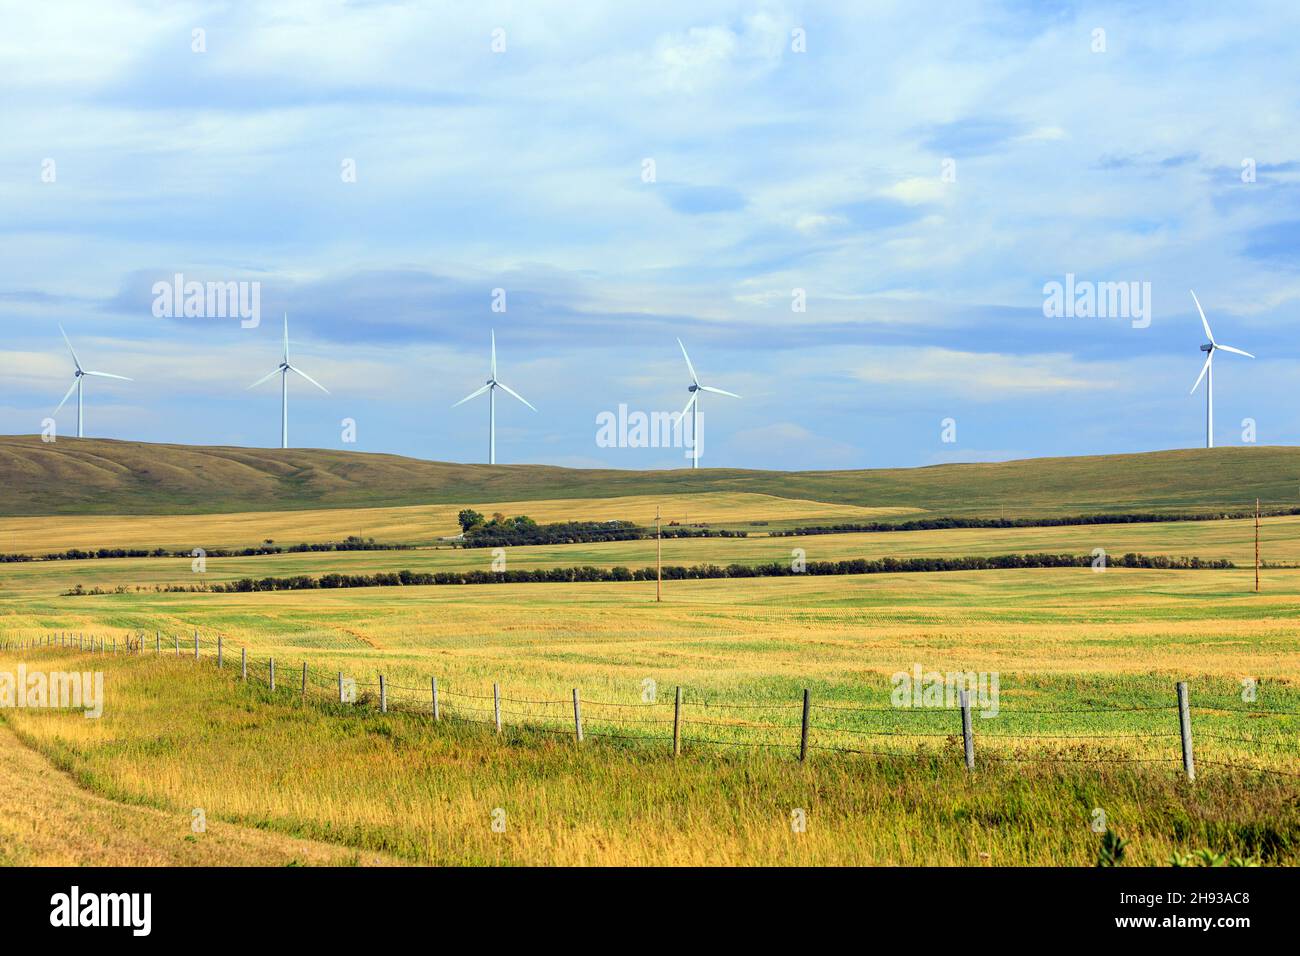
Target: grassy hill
100 476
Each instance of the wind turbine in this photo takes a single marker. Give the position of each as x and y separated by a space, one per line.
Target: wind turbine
283 370
693 406
1207 372
491 388
77 376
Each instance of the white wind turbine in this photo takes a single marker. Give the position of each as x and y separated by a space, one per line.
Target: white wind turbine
693 406
78 374
283 370
491 388
1207 372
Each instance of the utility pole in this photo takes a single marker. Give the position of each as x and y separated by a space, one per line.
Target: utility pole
659 559
1256 545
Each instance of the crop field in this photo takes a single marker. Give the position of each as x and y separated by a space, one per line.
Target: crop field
413 524
1084 717
1231 540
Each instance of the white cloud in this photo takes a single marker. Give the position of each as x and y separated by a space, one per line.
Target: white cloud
982 375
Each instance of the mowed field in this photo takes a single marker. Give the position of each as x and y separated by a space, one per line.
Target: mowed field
1232 540
413 524
1084 718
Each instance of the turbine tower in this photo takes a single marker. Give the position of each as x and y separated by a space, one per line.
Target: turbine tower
77 380
491 388
693 406
283 370
1207 372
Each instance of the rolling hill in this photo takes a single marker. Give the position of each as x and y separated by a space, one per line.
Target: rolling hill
102 476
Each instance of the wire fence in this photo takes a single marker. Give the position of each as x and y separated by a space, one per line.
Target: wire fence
1238 738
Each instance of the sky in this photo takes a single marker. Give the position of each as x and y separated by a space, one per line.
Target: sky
848 212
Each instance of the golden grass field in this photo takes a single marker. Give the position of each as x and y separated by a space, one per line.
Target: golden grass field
322 782
413 524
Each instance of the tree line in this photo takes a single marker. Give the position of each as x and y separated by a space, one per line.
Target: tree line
943 524
577 575
351 543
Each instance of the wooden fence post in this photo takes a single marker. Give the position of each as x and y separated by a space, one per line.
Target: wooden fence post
196 645
219 650
271 664
496 705
243 663
577 716
1185 730
383 695
157 643
341 687
677 723
967 734
304 680
803 728
434 680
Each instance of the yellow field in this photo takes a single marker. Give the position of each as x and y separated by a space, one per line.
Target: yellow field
419 524
1086 663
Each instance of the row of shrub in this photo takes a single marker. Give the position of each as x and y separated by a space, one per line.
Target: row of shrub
351 543
700 571
942 524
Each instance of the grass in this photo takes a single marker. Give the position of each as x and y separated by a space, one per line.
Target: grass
1086 665
413 524
179 736
1232 540
100 476
68 826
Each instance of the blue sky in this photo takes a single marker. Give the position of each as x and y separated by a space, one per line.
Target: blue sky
919 175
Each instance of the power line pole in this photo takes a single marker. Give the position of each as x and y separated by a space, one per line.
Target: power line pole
659 559
1256 545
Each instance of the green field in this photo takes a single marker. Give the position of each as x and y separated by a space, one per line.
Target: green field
99 476
1085 661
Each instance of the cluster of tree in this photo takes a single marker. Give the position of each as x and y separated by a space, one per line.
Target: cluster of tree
350 543
503 532
703 571
942 524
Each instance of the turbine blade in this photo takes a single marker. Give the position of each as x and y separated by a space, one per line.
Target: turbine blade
72 388
70 348
294 368
1208 333
494 354
286 338
1229 348
265 378
694 396
1204 368
718 391
516 395
695 379
108 375
474 394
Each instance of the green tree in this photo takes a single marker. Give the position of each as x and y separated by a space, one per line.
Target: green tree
469 518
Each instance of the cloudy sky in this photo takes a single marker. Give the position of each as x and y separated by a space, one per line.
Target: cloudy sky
914 174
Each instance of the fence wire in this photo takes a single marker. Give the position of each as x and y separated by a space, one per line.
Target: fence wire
750 724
